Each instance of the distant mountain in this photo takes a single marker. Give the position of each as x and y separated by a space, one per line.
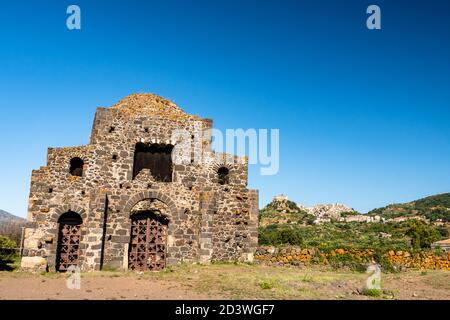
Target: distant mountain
11 225
433 208
8 217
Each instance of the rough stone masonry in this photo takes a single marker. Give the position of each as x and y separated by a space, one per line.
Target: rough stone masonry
120 202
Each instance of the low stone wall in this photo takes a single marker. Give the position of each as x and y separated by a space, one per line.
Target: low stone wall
421 260
296 256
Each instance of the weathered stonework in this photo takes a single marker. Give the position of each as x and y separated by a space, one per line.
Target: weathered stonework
207 220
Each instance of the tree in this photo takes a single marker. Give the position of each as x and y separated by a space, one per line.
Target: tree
6 242
422 235
6 255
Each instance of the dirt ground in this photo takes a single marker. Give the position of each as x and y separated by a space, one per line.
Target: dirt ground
226 281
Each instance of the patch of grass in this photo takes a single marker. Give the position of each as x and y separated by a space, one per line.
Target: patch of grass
109 268
372 292
168 270
51 274
229 281
115 275
389 294
244 281
437 280
307 278
266 284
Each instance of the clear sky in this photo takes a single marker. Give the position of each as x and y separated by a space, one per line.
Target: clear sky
364 116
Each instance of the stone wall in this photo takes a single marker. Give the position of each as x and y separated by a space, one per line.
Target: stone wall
296 256
207 221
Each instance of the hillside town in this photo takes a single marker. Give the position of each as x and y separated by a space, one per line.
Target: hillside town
323 213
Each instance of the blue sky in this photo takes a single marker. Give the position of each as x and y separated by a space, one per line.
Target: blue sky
363 115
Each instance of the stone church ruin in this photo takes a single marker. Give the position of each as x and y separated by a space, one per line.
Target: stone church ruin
121 202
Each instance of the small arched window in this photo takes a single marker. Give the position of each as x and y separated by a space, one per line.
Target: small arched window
76 167
223 175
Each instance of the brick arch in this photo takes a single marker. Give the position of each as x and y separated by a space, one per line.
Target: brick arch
217 165
69 207
80 151
151 195
159 208
78 154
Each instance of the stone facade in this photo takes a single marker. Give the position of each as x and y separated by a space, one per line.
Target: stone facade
208 218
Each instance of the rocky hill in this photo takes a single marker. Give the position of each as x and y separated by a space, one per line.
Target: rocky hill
433 208
338 226
282 210
8 217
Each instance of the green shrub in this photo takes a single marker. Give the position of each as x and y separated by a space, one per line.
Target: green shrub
6 242
346 261
422 235
8 258
273 235
383 261
404 236
307 278
266 284
372 292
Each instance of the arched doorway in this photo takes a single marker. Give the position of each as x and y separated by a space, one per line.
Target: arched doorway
69 235
147 249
